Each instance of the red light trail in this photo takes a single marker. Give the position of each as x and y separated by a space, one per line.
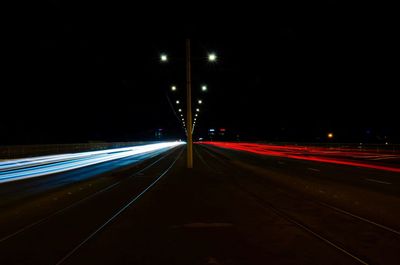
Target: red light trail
317 154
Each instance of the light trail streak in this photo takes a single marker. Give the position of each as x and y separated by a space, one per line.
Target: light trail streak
17 169
316 154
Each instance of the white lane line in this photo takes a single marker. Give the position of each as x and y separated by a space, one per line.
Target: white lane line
361 218
378 181
385 157
367 156
118 213
314 169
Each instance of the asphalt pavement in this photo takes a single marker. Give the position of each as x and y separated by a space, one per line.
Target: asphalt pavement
232 208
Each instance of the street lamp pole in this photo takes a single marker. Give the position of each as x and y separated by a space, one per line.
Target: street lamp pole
189 107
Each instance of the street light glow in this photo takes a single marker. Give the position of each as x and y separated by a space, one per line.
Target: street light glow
330 135
212 57
163 57
195 114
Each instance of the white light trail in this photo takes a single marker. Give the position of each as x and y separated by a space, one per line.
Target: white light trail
17 169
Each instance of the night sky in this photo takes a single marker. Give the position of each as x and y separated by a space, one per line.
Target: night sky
288 72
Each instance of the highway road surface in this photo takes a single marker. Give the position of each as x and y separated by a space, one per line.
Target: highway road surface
253 205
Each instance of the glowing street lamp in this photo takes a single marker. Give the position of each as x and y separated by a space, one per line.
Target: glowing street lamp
163 57
212 57
330 135
200 101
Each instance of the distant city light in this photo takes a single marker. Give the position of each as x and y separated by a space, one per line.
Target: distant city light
179 110
330 135
173 88
197 110
204 88
177 102
200 101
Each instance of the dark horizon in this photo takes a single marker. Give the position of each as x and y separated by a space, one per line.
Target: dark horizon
285 73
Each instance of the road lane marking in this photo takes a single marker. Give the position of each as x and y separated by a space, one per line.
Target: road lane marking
385 157
205 225
117 214
314 169
361 218
378 181
367 156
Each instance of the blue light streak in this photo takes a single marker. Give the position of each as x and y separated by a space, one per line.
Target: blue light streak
17 169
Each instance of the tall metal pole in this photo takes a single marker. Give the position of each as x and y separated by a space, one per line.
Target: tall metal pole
189 107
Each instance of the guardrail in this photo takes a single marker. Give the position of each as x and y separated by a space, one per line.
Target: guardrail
18 151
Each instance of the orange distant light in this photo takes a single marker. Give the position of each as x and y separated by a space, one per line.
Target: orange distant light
330 135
